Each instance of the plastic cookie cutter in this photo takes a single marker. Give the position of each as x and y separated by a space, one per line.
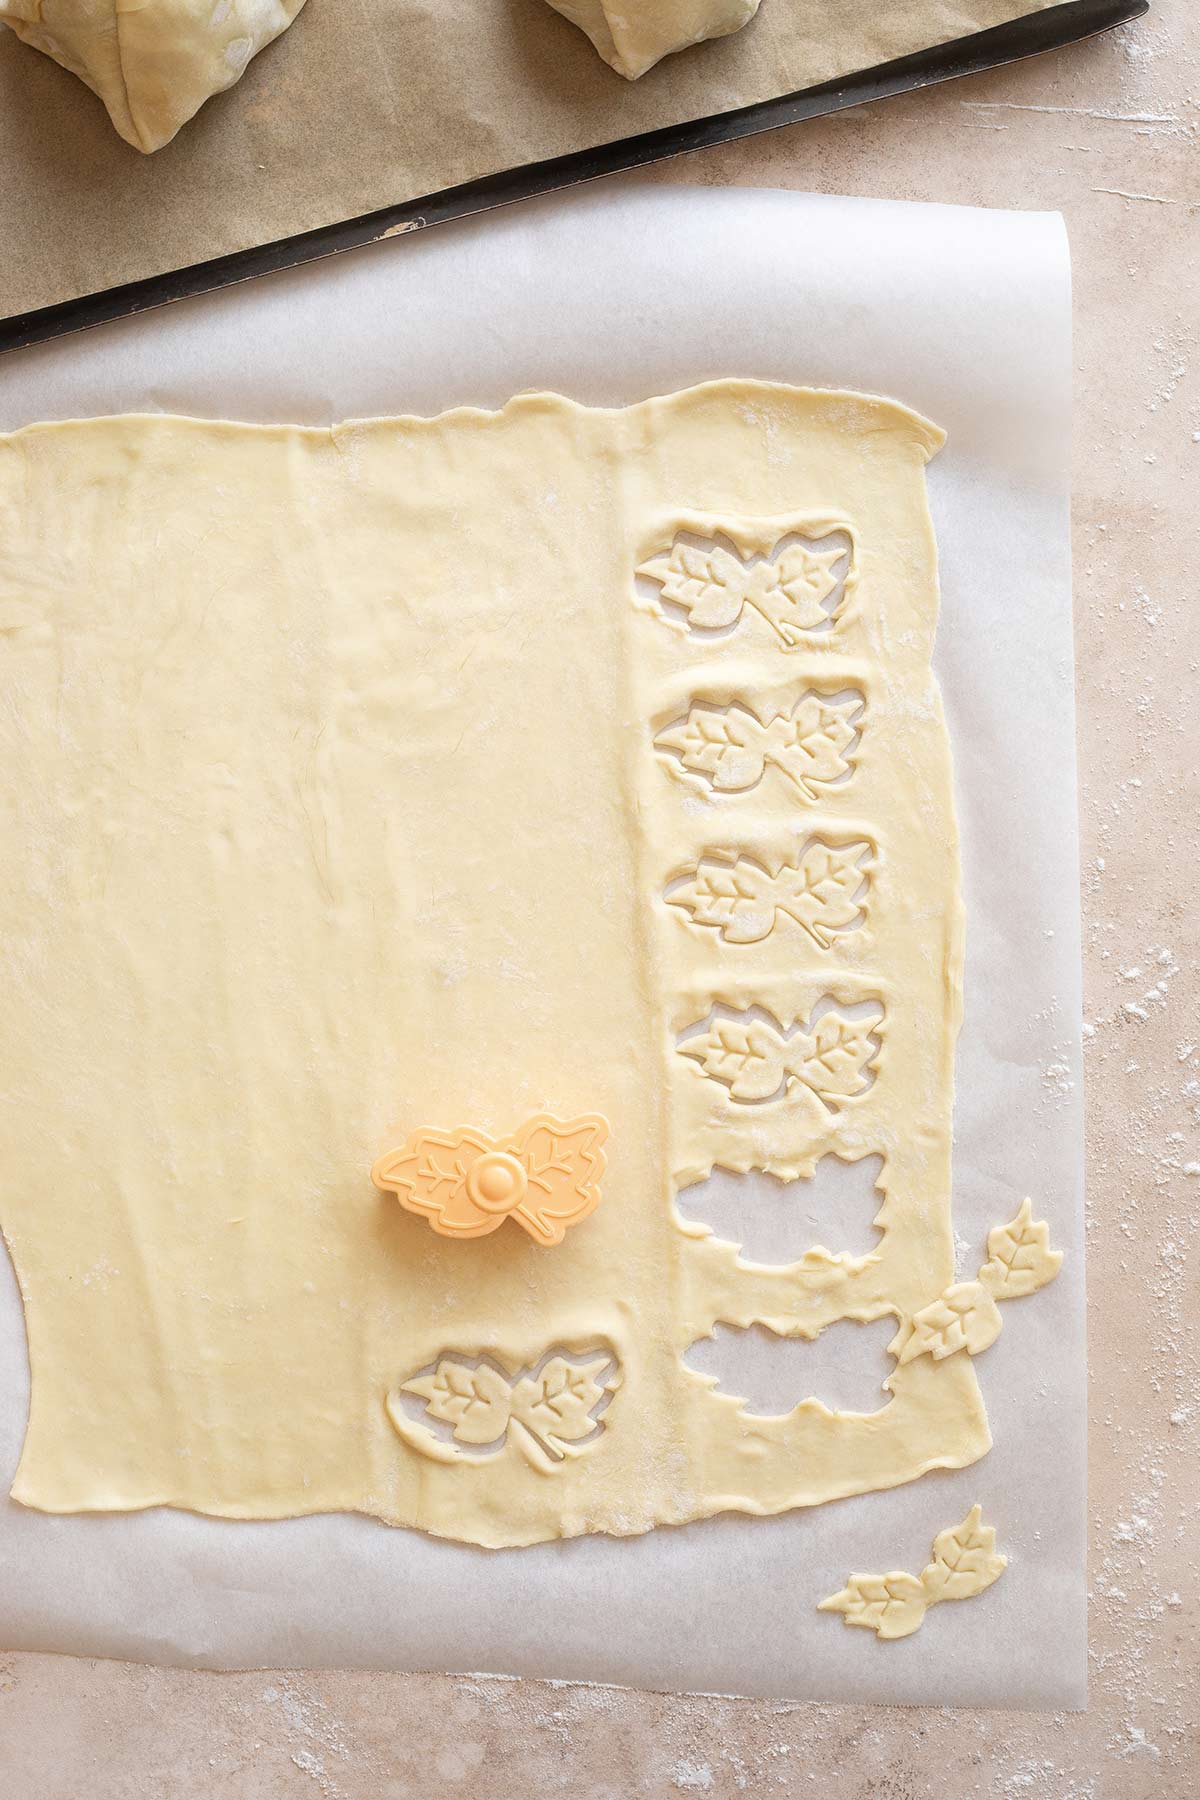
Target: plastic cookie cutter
546 1177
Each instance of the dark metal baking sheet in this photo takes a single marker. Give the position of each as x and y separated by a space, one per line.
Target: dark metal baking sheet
1029 36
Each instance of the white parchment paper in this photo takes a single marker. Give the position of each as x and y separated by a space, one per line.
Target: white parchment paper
609 297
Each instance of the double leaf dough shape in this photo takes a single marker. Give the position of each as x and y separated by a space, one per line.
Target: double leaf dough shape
965 1315
741 899
547 1414
788 588
408 782
963 1564
757 1060
731 748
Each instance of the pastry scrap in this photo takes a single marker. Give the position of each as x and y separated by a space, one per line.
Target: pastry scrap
964 1563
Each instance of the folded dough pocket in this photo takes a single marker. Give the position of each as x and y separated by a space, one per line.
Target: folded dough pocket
632 35
350 779
152 62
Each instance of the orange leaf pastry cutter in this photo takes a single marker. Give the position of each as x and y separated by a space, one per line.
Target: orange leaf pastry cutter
545 1176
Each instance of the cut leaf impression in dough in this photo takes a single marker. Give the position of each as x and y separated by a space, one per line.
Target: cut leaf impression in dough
758 1060
798 586
729 749
547 1413
546 1177
774 1222
841 1368
822 890
964 1563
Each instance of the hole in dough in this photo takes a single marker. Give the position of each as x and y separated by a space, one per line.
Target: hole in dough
775 1222
844 1367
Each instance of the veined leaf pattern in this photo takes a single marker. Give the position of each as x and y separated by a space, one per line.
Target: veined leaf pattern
727 748
965 1316
474 1401
1020 1259
731 748
804 578
810 746
748 1057
757 1060
547 1412
557 1405
737 897
713 586
964 1560
964 1563
892 1605
842 1051
732 895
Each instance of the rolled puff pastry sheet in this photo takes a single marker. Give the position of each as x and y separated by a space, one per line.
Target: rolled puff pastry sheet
348 779
152 62
632 35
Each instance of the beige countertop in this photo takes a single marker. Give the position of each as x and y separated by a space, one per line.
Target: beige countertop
1108 132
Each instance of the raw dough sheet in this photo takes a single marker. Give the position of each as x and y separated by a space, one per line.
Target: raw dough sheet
342 770
745 1621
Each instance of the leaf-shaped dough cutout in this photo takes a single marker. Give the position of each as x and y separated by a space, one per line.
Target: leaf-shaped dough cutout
745 1055
820 893
810 746
753 1059
735 897
547 1412
964 1563
788 589
709 584
835 1061
891 1605
790 592
557 1405
965 1317
476 1402
1020 1260
730 747
739 898
964 1560
822 730
725 747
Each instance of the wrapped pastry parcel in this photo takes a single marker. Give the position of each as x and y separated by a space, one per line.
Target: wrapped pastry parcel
153 62
632 35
